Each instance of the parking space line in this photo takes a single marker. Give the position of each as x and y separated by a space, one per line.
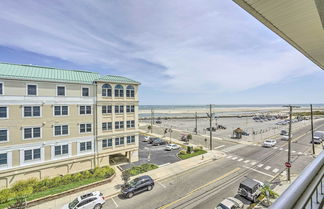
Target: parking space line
114 202
161 184
219 147
267 168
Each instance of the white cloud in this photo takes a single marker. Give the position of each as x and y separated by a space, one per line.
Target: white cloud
190 46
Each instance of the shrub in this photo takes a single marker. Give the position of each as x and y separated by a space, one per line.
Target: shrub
22 184
183 152
6 195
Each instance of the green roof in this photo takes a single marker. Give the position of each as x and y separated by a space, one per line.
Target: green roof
38 73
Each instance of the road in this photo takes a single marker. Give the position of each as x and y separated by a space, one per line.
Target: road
205 186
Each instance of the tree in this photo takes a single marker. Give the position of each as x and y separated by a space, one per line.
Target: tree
125 176
189 137
165 132
149 127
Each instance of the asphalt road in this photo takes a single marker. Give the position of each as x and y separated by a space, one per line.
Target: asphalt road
205 186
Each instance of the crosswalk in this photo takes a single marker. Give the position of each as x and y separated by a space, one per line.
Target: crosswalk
254 163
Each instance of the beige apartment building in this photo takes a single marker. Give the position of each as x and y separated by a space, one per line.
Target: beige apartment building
55 121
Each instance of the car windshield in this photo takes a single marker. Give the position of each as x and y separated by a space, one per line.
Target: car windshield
221 206
269 141
133 183
73 203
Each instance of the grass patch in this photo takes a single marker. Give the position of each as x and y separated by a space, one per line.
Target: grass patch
184 156
142 169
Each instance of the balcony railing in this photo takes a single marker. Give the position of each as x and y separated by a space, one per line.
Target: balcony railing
307 191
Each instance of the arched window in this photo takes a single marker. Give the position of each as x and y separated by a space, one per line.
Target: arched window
119 91
106 90
130 92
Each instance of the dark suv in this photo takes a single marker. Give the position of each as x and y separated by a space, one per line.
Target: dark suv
151 140
140 184
158 142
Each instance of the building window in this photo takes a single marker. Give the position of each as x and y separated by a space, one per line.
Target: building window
106 109
85 110
3 159
30 133
130 139
119 141
32 154
107 126
106 143
130 92
85 146
119 124
130 108
119 109
85 91
85 128
31 90
61 150
1 88
106 90
3 112
119 91
130 124
60 90
32 111
61 130
3 135
61 110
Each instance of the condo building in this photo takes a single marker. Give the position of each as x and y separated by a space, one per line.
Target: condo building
56 121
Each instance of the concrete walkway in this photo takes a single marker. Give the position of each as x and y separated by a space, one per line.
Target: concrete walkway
113 188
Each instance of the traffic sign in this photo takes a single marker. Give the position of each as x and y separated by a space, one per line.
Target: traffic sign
287 164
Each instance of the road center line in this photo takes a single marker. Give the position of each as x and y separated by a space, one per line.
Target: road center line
114 202
258 171
190 193
219 147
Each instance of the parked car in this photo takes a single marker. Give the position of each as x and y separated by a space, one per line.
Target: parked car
317 140
285 137
146 138
250 189
159 142
269 143
91 200
230 203
151 140
319 134
170 147
138 185
283 132
158 122
244 133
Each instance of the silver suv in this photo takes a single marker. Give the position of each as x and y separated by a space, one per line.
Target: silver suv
92 200
250 189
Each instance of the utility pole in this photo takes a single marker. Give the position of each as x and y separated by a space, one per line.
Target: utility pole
196 129
152 120
170 130
312 128
210 115
289 139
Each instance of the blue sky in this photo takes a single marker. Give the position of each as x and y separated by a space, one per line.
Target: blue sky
183 52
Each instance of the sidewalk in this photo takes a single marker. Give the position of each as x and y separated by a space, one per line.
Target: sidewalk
158 174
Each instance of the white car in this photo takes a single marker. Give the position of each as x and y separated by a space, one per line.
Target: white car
269 143
285 137
230 203
146 138
317 140
170 147
92 200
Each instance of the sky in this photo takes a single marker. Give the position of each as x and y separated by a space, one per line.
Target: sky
182 52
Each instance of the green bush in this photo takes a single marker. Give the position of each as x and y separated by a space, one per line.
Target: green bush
182 152
6 195
142 169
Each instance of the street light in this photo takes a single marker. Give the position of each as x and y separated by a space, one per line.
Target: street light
170 130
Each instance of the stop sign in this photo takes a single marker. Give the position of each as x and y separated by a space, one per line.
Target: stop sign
287 164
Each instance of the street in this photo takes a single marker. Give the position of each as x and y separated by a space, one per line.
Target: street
205 186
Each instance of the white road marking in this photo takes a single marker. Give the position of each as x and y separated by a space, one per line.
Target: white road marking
164 164
284 173
299 153
293 151
253 163
305 154
219 147
234 158
240 159
286 150
281 148
275 170
246 161
161 184
230 156
114 202
267 168
260 165
275 147
258 171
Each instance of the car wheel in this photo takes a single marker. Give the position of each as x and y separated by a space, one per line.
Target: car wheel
149 188
130 195
98 206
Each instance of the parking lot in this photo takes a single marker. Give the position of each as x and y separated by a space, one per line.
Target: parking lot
153 154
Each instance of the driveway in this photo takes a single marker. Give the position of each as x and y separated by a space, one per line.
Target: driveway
152 154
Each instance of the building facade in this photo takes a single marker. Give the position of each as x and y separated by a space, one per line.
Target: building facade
55 121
